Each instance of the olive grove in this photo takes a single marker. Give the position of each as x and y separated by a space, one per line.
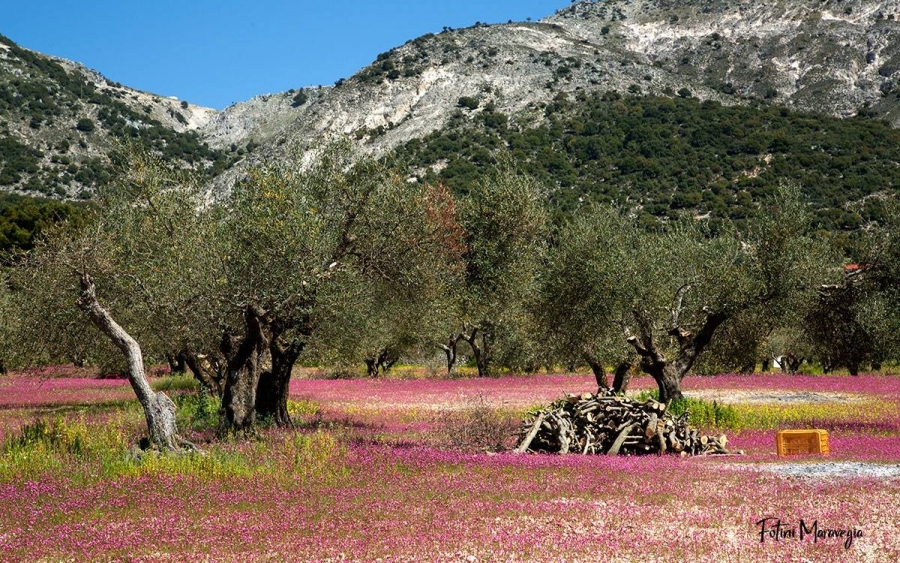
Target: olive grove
336 259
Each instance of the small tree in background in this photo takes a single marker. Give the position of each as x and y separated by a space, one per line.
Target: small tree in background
579 307
9 312
504 220
300 98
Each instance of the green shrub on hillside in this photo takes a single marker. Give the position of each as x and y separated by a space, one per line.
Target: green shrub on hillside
664 156
85 125
22 219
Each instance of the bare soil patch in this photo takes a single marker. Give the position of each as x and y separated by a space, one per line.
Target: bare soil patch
773 396
833 469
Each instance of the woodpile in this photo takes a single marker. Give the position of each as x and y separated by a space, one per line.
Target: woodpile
613 425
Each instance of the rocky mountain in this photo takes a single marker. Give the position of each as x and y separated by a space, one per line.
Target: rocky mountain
838 57
59 121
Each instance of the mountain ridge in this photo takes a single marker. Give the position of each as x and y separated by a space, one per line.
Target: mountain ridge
841 58
59 122
809 55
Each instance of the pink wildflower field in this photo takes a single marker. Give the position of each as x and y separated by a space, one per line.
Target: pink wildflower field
369 474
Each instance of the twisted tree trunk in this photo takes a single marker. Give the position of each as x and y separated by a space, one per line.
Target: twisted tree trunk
622 378
668 374
177 362
159 410
598 371
211 380
247 360
482 353
380 362
274 385
450 351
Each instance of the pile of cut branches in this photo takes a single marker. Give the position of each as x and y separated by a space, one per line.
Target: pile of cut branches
612 425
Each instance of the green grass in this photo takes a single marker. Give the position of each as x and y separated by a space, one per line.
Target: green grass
176 382
702 414
860 414
712 414
73 448
197 411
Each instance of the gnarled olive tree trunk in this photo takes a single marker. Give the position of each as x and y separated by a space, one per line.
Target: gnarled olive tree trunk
597 368
248 358
380 361
621 378
482 353
450 351
668 374
207 371
258 373
159 410
274 385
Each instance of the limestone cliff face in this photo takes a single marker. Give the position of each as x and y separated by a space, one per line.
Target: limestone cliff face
831 56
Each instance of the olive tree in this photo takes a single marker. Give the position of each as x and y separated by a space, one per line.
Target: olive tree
504 219
362 321
579 308
671 292
855 321
9 312
699 283
297 244
133 271
881 312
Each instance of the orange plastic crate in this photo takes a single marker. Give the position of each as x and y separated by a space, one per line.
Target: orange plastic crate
790 442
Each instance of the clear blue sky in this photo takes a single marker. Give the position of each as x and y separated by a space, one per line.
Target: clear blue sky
216 53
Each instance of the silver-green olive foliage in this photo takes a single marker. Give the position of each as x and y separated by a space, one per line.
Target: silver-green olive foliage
10 313
302 248
145 244
856 320
504 218
668 294
880 312
580 306
296 245
346 251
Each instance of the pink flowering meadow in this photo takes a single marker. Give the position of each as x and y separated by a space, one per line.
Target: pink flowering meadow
26 391
361 480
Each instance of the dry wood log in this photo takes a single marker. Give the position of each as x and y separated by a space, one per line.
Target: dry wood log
620 439
531 434
651 426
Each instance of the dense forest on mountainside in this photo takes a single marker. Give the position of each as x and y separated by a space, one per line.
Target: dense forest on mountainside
23 219
667 155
